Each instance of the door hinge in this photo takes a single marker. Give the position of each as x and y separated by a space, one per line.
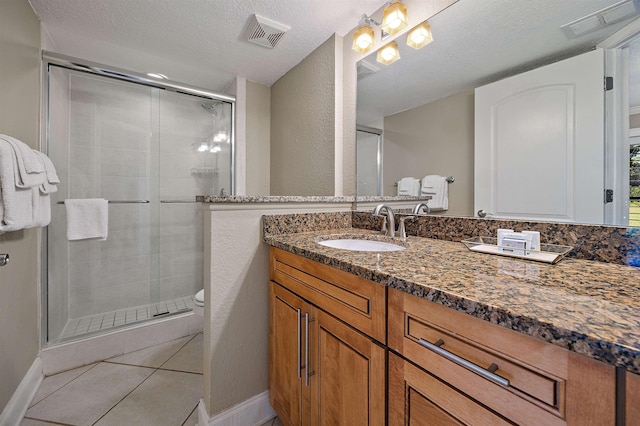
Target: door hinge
608 196
608 83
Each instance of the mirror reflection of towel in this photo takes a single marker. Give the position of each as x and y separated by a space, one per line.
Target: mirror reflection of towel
87 218
438 188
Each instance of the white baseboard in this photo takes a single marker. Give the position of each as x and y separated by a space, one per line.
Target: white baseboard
253 412
21 398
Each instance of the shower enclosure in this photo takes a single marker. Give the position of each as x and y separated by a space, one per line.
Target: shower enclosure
149 148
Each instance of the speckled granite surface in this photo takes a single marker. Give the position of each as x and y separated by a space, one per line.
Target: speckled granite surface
585 306
301 199
612 244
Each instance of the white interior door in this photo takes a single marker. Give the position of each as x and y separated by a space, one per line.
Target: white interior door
539 143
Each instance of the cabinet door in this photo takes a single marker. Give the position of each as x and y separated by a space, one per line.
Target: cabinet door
418 398
286 341
348 375
632 395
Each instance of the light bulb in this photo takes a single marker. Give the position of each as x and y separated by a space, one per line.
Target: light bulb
420 36
394 18
388 54
363 39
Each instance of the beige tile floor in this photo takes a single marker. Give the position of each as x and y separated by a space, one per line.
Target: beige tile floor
156 386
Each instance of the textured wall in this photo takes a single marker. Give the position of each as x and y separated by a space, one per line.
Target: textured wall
436 138
19 114
236 318
303 126
258 138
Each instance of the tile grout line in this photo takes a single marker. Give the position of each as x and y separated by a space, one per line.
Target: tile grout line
155 370
129 393
65 385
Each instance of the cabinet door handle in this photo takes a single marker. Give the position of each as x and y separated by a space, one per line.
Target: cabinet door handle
464 363
306 347
299 344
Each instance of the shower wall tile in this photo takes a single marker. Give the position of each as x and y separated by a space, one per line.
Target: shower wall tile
85 300
125 188
173 287
83 161
179 188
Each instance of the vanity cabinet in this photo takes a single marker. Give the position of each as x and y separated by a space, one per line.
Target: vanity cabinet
326 362
632 399
482 369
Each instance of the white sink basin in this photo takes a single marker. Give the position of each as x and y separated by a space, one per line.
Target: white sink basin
360 245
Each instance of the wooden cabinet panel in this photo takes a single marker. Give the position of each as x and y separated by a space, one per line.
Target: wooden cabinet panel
285 355
546 384
348 384
632 399
356 301
322 371
417 398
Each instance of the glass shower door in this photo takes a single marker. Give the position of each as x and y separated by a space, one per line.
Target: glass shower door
141 148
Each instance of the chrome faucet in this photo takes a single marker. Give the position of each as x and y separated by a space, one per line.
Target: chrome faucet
390 218
421 206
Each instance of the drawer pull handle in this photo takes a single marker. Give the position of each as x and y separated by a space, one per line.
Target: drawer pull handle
486 373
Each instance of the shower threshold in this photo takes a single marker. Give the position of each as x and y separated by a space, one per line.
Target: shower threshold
99 323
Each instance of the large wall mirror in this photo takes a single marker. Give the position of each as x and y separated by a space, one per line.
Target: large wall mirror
425 103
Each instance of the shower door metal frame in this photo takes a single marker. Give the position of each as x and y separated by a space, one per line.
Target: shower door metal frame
54 59
379 157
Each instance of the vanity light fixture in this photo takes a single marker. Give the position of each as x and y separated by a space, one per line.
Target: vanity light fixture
363 36
388 54
394 17
420 36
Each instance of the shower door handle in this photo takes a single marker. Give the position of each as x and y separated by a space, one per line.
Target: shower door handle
4 259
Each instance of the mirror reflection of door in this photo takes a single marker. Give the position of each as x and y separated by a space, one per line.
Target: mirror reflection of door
539 152
369 161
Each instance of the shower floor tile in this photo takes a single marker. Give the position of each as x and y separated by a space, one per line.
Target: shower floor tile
107 320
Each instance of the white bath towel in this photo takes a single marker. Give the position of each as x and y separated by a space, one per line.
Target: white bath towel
16 204
438 188
27 166
50 185
87 218
408 186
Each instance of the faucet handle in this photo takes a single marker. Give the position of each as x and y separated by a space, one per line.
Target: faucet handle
383 230
402 230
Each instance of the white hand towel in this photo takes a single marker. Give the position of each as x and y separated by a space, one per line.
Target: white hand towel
438 188
87 218
27 167
16 204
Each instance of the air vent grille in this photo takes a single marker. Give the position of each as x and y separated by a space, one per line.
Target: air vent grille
265 32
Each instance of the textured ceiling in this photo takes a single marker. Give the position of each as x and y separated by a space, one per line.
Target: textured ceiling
477 42
195 41
200 42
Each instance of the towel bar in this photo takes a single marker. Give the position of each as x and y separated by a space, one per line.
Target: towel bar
120 202
449 179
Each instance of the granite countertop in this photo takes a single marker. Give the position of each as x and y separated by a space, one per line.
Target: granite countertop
303 199
588 307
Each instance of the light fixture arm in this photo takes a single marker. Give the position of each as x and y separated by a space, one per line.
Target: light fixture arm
365 20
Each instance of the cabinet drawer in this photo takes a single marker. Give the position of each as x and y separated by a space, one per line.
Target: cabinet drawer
526 380
358 302
417 398
541 386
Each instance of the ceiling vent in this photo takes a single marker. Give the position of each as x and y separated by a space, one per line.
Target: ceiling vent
265 32
610 15
365 69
